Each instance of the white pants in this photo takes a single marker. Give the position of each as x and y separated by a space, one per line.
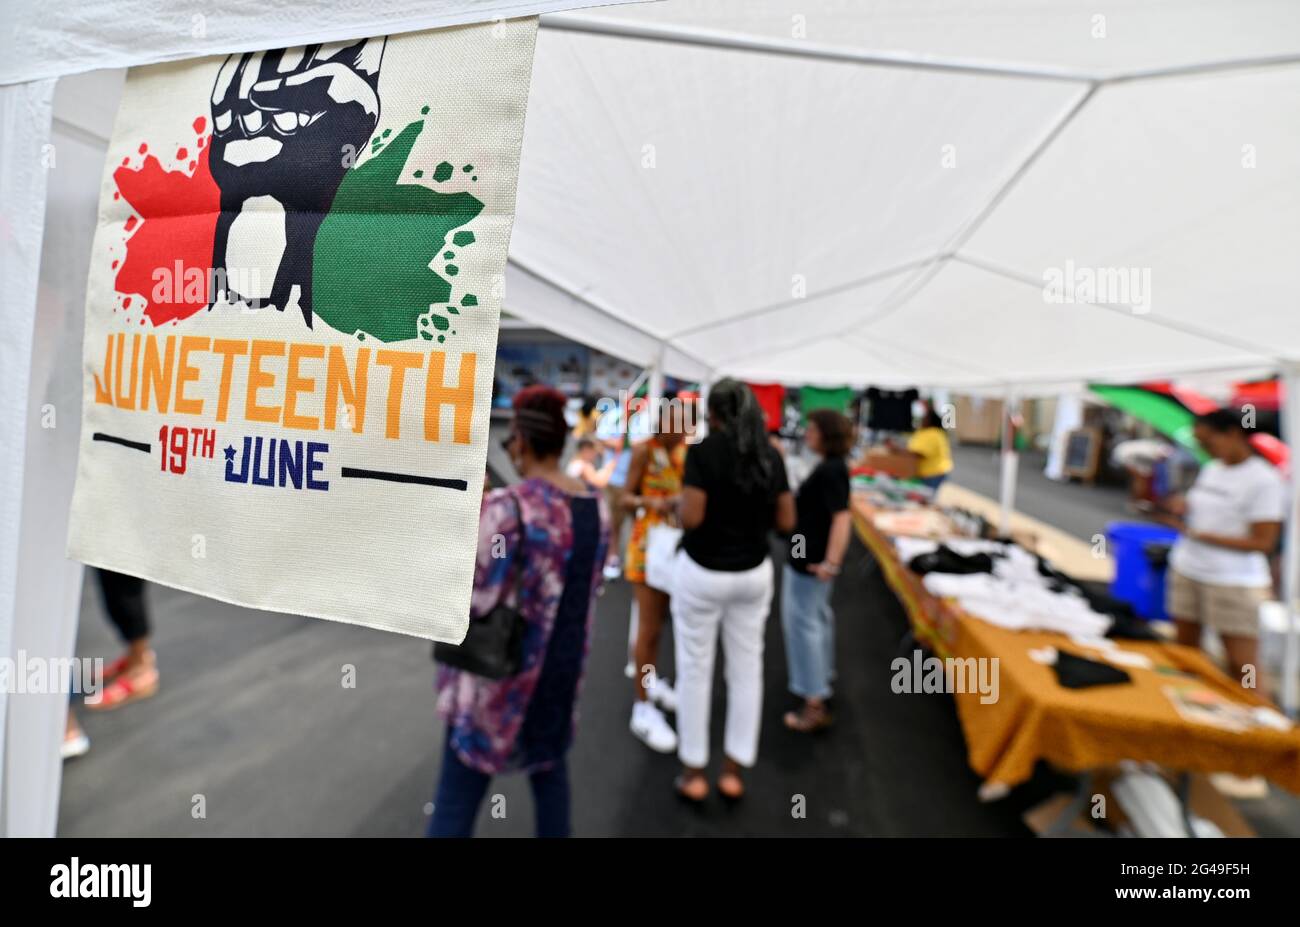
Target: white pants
703 602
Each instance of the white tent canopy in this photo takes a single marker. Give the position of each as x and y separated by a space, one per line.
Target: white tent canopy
880 200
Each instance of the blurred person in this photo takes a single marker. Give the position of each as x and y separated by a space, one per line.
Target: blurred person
133 675
541 543
735 492
653 491
586 465
817 549
1231 520
588 418
929 445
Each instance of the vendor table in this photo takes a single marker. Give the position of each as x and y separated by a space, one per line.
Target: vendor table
1034 717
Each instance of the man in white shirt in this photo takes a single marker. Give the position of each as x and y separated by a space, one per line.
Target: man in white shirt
1231 520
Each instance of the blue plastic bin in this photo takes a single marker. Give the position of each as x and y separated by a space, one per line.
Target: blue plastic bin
1138 581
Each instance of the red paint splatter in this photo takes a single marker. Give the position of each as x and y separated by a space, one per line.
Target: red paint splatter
177 225
143 148
203 141
182 154
200 125
126 303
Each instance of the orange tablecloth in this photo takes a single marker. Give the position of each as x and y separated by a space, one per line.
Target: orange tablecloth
1034 717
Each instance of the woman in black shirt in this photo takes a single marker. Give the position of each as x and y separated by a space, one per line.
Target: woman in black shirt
816 552
735 491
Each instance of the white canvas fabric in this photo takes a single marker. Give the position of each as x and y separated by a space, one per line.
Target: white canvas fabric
43 40
764 209
306 432
25 114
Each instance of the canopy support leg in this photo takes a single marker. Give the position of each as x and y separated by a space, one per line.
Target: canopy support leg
1291 550
655 378
1010 461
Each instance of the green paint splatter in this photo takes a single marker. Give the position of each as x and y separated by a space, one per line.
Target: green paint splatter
419 173
467 168
371 272
448 255
442 172
424 110
461 239
452 270
440 322
469 299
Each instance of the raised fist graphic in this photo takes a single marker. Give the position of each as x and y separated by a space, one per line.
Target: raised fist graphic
286 125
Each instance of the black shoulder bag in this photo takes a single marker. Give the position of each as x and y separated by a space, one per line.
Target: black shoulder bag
494 644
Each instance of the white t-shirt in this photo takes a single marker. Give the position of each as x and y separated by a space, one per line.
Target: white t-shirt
1226 500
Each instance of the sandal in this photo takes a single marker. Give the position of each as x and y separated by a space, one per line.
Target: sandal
682 785
731 786
808 720
115 669
126 689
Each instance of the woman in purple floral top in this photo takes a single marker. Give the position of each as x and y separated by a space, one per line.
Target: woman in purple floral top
526 721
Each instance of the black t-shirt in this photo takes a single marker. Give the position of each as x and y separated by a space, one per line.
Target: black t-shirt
734 533
891 410
824 493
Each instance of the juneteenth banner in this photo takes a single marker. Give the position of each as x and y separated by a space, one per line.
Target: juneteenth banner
291 323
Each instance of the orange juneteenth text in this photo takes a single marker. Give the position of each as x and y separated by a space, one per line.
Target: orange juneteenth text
297 385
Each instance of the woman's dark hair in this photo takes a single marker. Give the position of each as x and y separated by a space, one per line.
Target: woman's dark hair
931 419
1222 421
836 431
589 404
539 419
739 418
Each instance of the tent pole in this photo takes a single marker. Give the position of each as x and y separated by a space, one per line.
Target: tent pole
701 420
655 381
801 48
1010 462
798 48
1291 551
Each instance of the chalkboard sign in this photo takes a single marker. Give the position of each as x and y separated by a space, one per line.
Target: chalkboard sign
1082 452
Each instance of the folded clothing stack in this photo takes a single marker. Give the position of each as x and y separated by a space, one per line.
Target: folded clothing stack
1003 584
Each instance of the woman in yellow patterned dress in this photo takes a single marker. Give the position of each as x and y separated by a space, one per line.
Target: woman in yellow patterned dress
652 491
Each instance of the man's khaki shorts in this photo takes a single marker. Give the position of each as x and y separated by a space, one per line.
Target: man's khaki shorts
1232 610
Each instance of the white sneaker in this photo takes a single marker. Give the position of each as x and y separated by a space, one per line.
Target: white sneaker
652 729
75 746
662 693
